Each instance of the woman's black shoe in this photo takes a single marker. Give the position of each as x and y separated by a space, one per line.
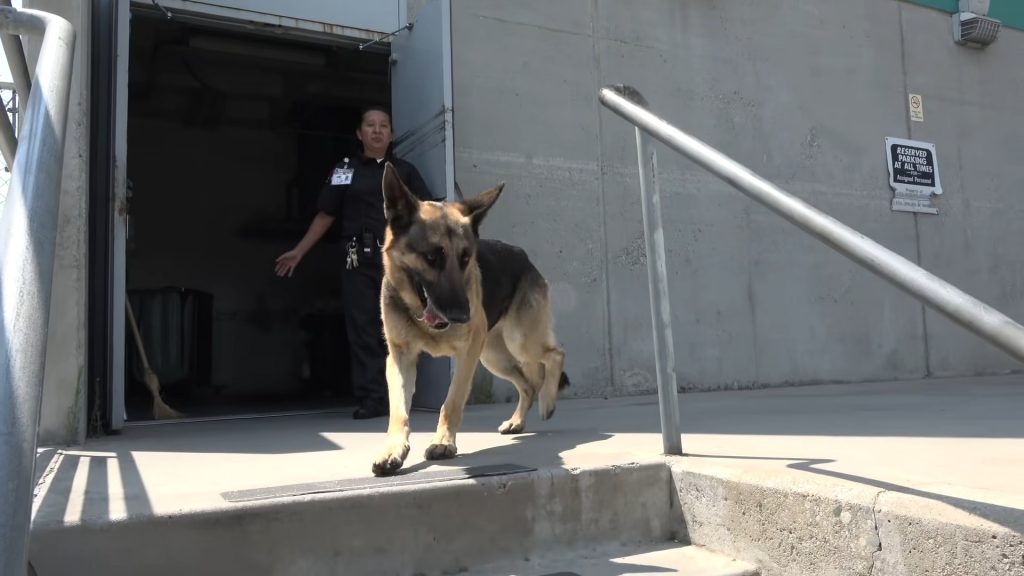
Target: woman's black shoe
369 410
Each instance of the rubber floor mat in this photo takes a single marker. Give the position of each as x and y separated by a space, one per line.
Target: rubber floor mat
408 479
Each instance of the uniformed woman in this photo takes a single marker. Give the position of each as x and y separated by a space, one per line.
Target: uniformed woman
353 195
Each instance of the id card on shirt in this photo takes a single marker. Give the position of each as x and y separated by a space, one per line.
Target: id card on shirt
341 177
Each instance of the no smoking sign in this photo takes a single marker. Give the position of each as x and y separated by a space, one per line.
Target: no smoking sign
916 108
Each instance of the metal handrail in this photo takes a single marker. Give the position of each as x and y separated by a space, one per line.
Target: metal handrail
962 308
28 237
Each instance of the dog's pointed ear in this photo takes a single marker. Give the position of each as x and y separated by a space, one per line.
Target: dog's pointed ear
400 206
476 207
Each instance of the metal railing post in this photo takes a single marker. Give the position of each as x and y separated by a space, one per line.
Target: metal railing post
28 237
8 138
969 312
657 280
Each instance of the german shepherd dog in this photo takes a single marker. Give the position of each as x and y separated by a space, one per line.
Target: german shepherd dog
449 293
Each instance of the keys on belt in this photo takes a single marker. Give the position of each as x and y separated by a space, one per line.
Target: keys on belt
367 241
352 258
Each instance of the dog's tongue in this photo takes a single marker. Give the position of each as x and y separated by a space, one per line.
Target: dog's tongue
433 318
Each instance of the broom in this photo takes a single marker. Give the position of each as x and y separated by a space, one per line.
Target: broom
161 411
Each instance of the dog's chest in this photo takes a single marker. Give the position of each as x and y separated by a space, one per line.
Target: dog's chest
451 342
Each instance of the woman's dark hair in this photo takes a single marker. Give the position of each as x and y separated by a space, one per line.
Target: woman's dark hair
372 108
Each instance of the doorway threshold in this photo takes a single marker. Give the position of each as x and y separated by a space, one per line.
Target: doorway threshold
243 416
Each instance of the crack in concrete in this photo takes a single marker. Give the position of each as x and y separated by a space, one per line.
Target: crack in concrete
878 534
531 25
48 472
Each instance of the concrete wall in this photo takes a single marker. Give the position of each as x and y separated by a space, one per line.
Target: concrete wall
804 94
63 415
976 119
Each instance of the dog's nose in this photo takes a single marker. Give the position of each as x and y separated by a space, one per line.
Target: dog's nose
458 316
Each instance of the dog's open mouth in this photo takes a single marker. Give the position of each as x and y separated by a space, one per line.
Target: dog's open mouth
431 316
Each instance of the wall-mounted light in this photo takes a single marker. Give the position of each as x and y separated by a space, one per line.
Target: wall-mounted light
972 26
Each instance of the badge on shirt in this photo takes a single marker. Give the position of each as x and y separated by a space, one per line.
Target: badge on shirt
341 177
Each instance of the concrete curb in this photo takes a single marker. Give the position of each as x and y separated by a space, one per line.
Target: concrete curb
423 529
949 538
795 525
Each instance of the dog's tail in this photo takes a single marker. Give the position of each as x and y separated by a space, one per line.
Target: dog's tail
563 382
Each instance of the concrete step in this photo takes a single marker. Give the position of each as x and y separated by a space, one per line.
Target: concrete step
661 560
796 523
447 525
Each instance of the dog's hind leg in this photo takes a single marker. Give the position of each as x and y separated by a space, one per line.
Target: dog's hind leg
531 339
450 420
401 378
553 359
500 362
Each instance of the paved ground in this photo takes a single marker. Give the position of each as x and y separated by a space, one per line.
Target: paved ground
665 560
959 442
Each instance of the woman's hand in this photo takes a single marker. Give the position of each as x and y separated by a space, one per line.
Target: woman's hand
286 263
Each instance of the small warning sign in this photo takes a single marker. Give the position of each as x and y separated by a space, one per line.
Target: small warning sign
916 108
913 175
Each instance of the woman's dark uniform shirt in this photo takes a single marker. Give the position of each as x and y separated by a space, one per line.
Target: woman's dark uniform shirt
353 194
359 204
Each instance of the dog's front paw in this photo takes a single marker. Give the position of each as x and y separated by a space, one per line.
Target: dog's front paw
511 426
391 458
440 451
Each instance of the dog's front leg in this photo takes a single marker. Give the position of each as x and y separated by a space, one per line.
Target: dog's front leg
401 376
450 420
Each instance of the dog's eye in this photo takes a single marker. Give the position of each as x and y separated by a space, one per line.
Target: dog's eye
434 257
464 259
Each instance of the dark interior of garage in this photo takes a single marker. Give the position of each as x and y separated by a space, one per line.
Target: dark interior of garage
230 136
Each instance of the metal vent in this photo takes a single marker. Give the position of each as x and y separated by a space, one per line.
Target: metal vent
973 29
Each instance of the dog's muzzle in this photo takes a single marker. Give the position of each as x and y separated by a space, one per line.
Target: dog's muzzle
431 316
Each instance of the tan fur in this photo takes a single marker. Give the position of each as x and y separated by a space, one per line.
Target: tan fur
520 348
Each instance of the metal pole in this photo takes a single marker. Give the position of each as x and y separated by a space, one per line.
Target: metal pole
657 281
8 139
960 307
18 65
28 236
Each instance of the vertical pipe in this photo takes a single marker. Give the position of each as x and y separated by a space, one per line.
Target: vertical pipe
28 238
657 279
